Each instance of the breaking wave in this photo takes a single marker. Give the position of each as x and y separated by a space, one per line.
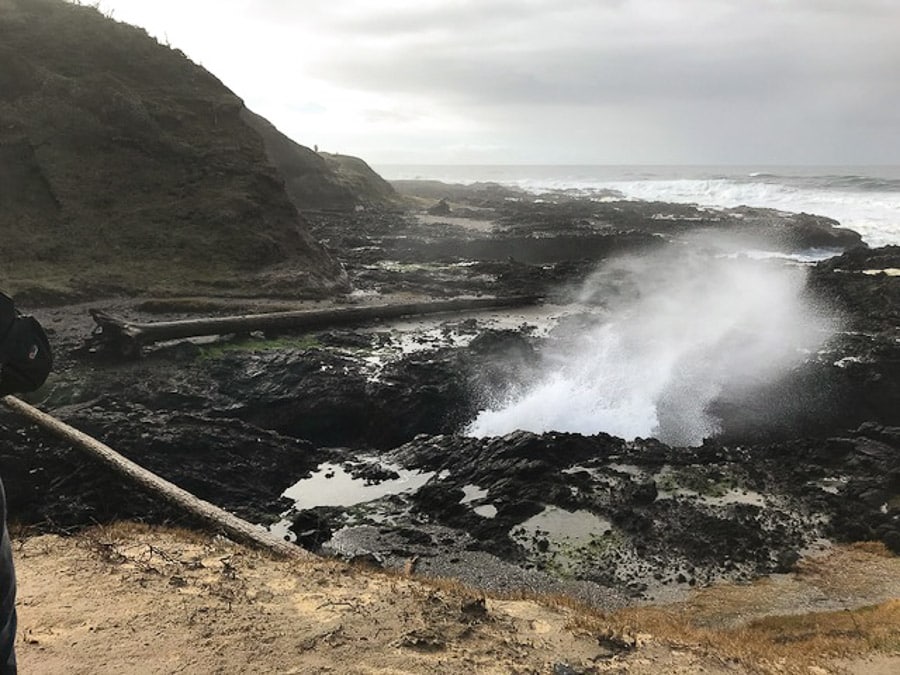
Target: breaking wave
865 200
676 330
874 213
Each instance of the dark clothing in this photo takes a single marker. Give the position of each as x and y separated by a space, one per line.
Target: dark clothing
26 358
23 350
7 597
7 571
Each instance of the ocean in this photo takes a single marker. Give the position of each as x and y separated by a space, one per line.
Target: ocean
863 198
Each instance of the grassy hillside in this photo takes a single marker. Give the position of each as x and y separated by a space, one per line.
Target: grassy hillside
126 167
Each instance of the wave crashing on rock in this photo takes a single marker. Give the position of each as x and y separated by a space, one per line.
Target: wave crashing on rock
669 335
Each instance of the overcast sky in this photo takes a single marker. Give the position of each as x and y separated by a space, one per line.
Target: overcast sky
556 81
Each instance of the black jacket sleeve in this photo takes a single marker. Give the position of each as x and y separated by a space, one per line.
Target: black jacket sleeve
7 319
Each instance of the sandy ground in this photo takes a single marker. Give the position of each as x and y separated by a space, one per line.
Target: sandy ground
128 599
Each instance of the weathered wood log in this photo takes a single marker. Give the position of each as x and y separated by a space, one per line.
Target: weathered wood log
217 519
127 337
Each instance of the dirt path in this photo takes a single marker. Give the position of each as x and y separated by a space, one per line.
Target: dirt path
129 599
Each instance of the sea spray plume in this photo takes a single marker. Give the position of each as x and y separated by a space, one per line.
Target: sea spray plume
677 328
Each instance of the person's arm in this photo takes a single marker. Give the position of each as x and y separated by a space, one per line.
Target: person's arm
7 320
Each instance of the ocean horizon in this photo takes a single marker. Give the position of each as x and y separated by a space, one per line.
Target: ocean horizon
865 198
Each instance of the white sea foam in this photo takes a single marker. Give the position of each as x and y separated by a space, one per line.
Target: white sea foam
875 215
684 325
864 199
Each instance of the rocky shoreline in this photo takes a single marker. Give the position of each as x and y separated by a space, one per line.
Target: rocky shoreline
239 419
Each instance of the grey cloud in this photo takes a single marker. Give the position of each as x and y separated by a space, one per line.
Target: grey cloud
579 75
469 17
612 80
379 115
748 57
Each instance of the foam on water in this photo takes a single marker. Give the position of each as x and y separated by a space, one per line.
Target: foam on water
875 215
679 328
865 199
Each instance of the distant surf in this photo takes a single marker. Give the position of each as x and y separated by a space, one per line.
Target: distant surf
865 199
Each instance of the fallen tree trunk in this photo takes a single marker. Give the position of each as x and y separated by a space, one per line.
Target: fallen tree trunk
219 520
127 337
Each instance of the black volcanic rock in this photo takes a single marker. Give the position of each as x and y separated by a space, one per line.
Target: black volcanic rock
240 467
442 208
862 258
476 194
238 420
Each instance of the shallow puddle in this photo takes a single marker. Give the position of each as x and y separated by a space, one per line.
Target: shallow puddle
486 510
707 489
560 542
473 493
477 497
572 527
332 485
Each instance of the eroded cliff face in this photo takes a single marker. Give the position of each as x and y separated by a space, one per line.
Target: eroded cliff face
319 181
125 167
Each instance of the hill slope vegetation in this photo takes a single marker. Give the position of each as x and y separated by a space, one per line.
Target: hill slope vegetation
319 180
125 167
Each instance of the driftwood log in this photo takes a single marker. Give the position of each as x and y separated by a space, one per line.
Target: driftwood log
127 337
217 519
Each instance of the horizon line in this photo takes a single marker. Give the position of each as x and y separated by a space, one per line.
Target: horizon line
653 164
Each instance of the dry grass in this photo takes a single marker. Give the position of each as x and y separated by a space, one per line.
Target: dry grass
875 548
777 644
774 644
785 644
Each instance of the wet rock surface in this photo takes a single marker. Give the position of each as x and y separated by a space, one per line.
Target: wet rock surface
239 420
496 240
639 518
